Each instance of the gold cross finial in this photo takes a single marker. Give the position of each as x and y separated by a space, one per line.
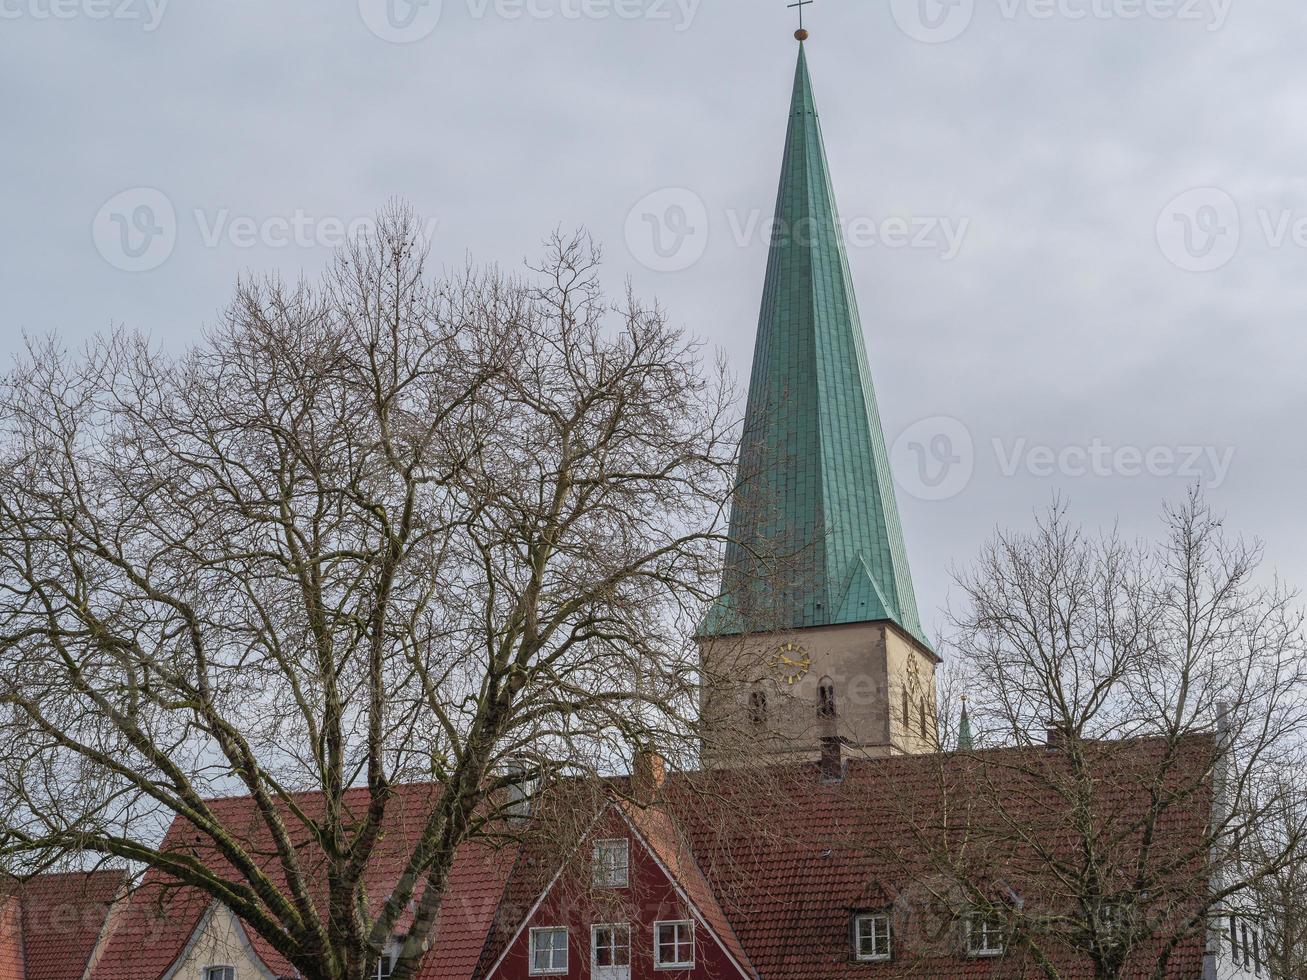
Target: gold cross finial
801 34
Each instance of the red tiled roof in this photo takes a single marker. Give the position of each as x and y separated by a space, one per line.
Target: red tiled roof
161 915
50 924
790 874
476 890
777 887
11 938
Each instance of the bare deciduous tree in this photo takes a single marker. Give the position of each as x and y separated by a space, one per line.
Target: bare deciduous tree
1167 691
371 531
1279 900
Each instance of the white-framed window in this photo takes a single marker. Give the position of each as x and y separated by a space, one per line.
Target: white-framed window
985 936
386 962
871 937
610 945
673 945
548 950
612 863
220 973
1112 925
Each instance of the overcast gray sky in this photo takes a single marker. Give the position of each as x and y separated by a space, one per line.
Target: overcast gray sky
1079 227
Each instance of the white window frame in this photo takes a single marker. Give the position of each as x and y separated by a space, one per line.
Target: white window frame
388 956
658 951
875 920
594 944
986 924
619 876
207 972
552 970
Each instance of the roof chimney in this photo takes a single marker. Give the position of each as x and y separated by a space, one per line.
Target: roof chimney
1057 735
832 759
648 776
1224 733
1223 717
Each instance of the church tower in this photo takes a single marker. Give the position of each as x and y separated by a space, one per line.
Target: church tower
816 634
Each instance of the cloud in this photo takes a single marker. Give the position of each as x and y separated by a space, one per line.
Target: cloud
1059 139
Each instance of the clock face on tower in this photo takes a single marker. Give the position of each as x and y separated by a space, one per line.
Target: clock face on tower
792 662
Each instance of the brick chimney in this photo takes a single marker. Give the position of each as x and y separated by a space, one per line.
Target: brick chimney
832 759
648 776
1056 735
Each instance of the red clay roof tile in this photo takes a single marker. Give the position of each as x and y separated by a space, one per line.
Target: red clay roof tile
51 924
778 887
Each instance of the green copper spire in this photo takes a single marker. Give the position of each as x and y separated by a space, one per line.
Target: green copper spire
964 729
815 533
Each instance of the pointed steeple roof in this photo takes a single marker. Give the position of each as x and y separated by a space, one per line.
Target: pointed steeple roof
815 532
965 743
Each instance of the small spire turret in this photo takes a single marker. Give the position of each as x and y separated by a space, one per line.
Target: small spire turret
964 729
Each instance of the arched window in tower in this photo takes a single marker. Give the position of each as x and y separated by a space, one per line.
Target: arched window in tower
758 707
826 698
907 712
925 731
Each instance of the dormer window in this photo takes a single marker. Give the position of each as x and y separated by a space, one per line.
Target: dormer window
1111 924
985 936
611 867
386 962
871 937
220 973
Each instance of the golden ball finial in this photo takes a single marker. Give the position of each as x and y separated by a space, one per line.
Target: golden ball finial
801 35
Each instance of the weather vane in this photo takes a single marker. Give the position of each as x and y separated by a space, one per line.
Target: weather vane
801 33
